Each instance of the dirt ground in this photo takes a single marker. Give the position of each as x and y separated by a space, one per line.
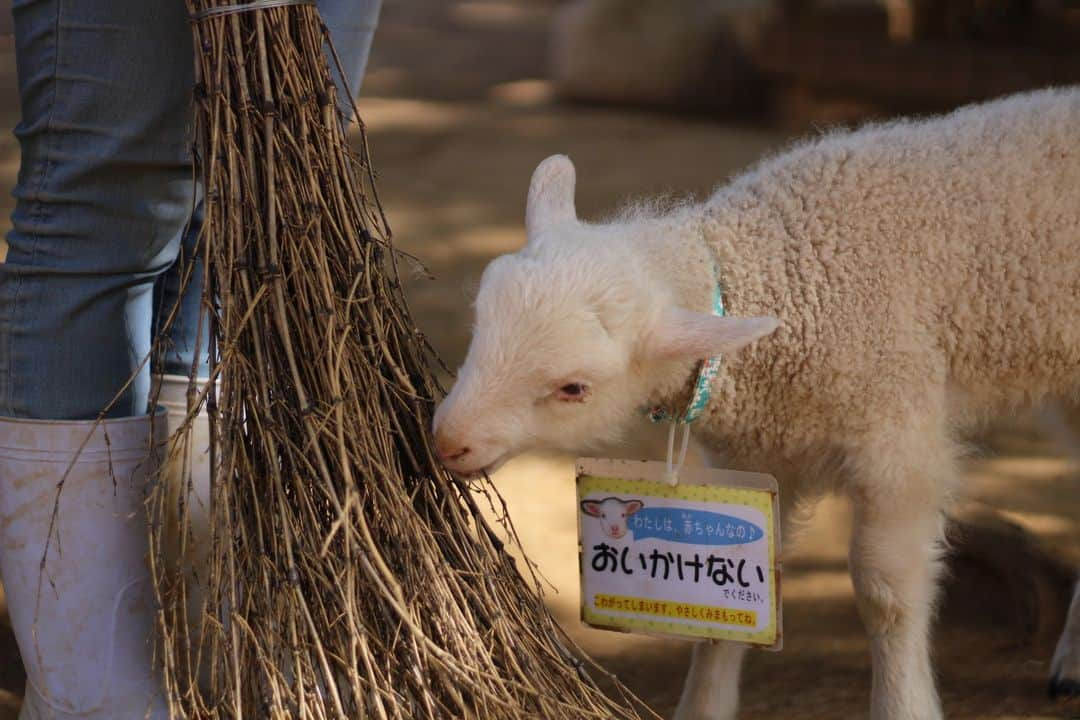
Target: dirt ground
459 115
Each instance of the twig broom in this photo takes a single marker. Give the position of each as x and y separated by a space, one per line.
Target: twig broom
350 576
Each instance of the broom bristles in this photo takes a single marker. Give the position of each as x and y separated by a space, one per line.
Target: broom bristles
350 575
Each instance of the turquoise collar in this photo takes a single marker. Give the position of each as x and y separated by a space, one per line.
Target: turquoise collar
703 386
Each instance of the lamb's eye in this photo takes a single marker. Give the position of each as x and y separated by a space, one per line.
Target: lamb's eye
573 392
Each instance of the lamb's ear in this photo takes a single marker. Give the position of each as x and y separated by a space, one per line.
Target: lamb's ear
682 334
590 507
551 195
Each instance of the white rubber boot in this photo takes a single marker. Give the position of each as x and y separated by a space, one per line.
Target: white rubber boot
179 462
85 629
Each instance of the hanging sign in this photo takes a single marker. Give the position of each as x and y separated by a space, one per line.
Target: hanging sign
697 559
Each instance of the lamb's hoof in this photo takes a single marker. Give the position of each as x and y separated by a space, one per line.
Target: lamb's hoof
1064 688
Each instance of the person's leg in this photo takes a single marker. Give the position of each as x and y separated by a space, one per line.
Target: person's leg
352 29
179 340
104 191
83 626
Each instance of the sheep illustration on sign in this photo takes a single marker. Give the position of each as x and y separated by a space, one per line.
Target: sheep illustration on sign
612 514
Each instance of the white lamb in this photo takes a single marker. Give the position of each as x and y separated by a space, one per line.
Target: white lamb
911 278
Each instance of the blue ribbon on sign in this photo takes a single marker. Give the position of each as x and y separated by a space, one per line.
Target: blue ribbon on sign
699 527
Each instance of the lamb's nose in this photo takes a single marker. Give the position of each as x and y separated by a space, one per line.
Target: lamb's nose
449 450
455 454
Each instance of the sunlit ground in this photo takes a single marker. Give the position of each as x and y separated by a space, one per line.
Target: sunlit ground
455 136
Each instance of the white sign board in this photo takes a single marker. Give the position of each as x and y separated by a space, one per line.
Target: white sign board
698 559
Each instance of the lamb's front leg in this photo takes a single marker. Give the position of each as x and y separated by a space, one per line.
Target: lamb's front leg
711 691
895 561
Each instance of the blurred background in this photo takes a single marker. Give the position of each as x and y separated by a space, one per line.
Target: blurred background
464 97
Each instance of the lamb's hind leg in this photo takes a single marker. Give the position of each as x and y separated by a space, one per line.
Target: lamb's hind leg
1062 422
1065 667
898 497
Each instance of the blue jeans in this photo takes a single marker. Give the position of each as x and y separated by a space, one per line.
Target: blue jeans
105 199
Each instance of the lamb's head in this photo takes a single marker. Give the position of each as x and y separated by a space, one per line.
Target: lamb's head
612 513
569 333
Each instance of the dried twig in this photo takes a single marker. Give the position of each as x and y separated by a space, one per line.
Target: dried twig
350 576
